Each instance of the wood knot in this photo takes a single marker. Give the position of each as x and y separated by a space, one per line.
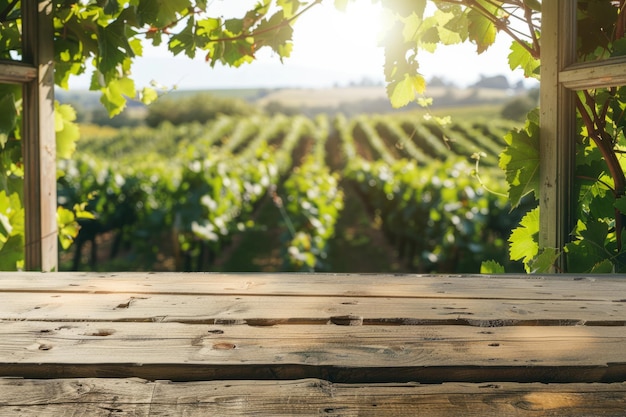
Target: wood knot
224 346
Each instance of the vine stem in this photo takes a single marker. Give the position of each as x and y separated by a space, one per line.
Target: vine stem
585 177
5 13
282 24
533 50
606 149
480 180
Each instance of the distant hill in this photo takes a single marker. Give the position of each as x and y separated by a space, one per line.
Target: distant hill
348 100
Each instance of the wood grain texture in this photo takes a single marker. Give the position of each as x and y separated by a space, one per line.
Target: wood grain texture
557 123
605 73
266 310
39 139
308 397
16 72
509 287
302 344
337 353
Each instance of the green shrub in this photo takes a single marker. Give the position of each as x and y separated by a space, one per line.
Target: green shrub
518 108
201 107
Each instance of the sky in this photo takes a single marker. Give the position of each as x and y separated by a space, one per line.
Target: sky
330 48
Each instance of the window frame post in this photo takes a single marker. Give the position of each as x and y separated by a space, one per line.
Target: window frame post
39 140
557 123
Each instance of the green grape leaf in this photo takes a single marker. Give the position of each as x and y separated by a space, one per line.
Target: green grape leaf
205 28
458 23
69 58
11 253
544 262
11 231
233 26
491 267
149 95
588 248
520 161
446 34
11 36
160 13
113 46
521 57
136 46
481 30
67 132
404 91
523 242
68 227
274 32
603 267
237 53
8 117
596 21
115 93
185 40
411 30
448 37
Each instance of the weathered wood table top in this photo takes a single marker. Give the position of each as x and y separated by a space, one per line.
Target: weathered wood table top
297 344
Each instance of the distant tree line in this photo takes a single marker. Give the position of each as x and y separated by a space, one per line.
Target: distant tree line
180 108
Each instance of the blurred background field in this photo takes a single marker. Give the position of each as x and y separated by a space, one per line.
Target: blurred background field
295 179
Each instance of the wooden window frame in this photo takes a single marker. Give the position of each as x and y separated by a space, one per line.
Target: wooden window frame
36 75
561 77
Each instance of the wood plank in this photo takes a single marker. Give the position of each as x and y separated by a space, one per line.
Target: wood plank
16 72
308 397
85 397
605 73
39 139
336 353
316 397
267 310
557 121
509 287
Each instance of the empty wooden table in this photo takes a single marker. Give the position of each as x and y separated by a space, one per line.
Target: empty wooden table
166 344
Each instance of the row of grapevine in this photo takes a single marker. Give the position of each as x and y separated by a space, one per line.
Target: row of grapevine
438 218
433 211
127 200
201 200
313 204
206 181
390 128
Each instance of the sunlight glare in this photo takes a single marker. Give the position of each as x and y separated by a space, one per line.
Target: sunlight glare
326 38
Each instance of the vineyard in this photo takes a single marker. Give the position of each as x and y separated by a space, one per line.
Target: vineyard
300 190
